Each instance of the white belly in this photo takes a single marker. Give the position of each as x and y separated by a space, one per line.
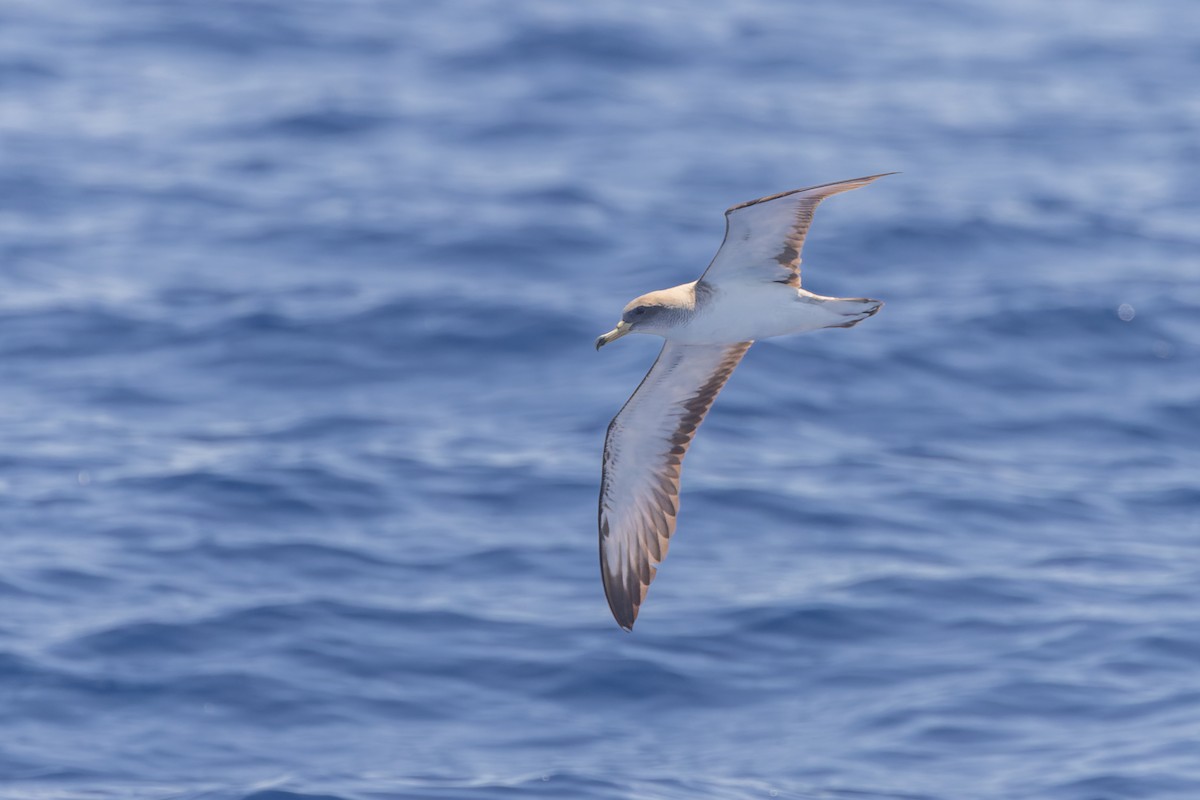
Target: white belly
755 311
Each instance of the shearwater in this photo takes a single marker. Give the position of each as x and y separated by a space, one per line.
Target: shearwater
750 291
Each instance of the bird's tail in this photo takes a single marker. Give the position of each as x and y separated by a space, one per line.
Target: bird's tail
846 312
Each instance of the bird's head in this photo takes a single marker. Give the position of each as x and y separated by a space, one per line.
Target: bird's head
656 313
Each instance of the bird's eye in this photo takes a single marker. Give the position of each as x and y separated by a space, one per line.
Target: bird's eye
637 312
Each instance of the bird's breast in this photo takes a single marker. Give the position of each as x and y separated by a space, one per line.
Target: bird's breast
758 311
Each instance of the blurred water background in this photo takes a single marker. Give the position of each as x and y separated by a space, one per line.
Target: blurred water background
301 420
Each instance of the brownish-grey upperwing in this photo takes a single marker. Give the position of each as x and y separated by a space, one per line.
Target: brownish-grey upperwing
764 237
643 456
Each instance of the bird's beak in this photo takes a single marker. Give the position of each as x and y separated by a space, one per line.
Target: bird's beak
616 333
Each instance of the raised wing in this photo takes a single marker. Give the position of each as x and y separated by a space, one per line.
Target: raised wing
643 455
763 237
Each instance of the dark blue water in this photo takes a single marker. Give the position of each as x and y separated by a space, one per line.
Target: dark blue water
301 420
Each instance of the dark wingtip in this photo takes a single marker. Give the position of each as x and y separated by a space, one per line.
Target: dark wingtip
769 198
624 615
623 610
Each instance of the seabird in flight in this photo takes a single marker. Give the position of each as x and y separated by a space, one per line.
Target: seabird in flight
750 291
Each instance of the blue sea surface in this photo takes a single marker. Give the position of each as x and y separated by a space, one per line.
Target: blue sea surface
301 417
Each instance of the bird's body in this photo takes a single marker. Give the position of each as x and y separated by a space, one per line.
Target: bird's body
721 314
750 291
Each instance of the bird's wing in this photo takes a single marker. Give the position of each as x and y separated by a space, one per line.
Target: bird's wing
643 455
763 237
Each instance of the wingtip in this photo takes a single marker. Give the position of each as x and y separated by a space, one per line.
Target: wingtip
624 617
859 182
624 612
869 177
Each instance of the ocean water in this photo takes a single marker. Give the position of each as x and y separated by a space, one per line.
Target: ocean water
301 418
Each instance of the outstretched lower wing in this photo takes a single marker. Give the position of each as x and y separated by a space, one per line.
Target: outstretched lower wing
764 237
643 455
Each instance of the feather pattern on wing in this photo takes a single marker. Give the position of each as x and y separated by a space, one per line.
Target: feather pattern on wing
643 456
764 237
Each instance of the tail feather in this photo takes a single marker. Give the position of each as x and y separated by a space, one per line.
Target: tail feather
849 311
